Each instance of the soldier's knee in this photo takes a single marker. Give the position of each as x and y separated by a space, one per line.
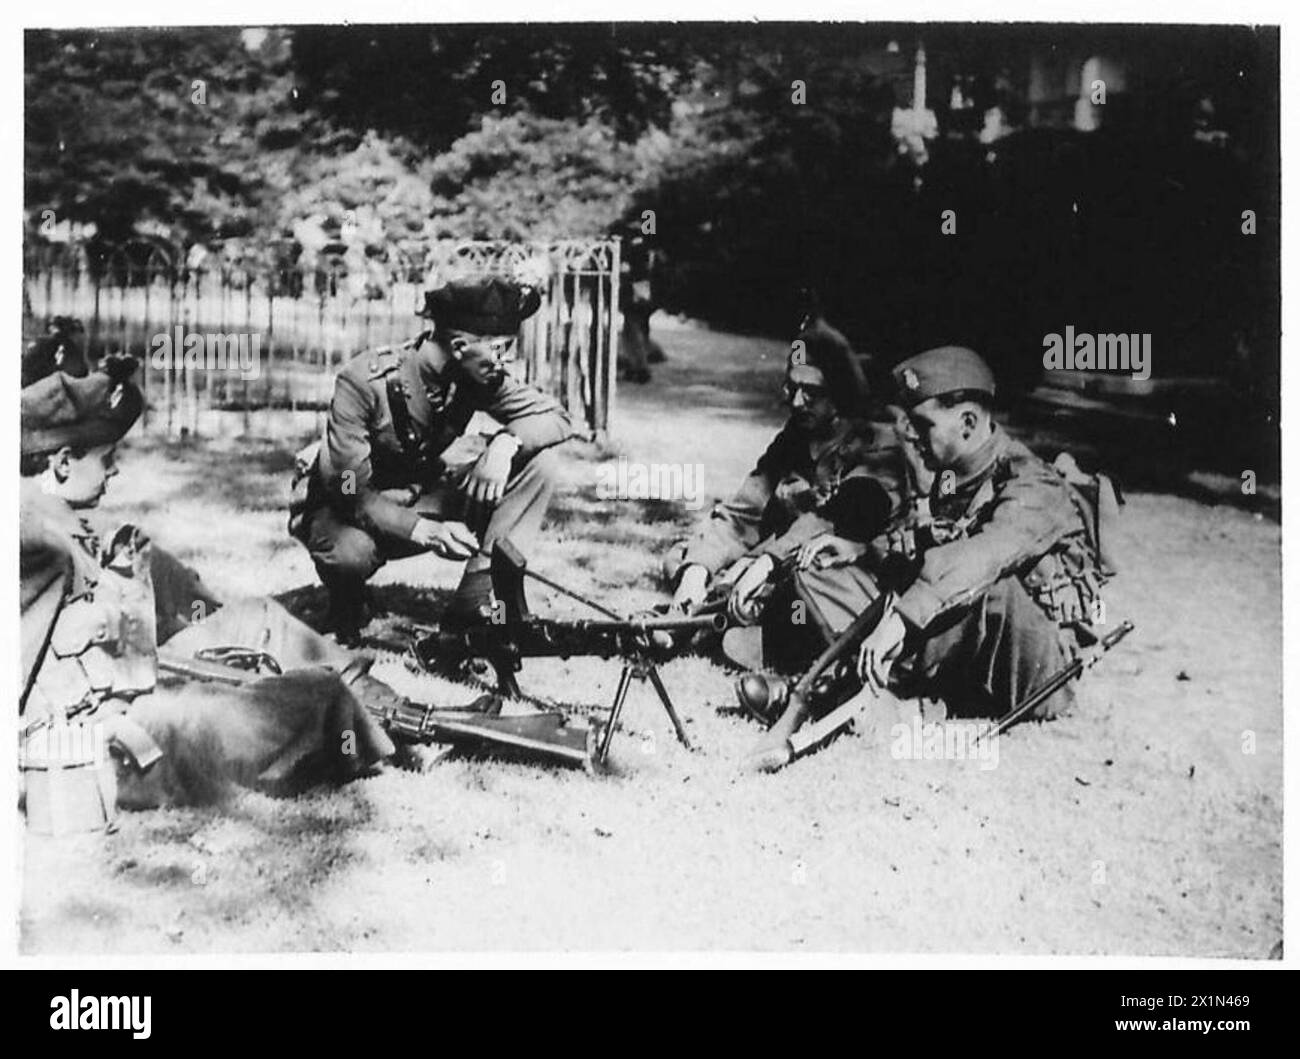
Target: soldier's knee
853 586
835 596
348 552
543 468
1008 606
673 561
809 584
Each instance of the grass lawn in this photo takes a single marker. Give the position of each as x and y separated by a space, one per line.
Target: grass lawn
1150 822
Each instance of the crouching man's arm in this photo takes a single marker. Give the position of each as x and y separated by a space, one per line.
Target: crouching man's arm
732 532
535 419
345 468
1030 514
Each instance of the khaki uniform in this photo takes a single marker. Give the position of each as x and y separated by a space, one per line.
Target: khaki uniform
992 574
93 613
387 460
848 484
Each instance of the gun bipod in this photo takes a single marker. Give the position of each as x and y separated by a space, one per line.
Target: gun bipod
638 671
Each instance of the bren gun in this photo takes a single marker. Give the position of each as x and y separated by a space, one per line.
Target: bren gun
514 634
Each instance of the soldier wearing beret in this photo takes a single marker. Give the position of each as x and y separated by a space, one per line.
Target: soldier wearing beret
993 573
95 609
827 471
386 481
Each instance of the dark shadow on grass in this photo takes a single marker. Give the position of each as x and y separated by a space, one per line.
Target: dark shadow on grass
391 605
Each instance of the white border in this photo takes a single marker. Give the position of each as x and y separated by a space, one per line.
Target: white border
58 14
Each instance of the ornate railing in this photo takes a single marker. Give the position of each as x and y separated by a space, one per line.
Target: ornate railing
310 312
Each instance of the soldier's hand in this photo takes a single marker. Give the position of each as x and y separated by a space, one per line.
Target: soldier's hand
921 476
691 589
794 491
742 604
879 650
486 482
451 540
827 550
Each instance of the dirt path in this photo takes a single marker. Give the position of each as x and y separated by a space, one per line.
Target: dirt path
1148 823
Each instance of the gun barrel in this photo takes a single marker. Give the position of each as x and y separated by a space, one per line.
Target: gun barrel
549 637
847 641
686 623
1062 677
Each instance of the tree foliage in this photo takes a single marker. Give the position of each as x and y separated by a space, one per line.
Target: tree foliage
765 153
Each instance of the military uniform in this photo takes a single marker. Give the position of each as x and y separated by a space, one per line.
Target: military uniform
801 487
994 572
393 453
848 483
94 611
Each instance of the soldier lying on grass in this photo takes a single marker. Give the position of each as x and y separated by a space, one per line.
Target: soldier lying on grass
95 608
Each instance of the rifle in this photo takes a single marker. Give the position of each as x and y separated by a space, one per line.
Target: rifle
830 675
820 732
514 634
1058 680
479 724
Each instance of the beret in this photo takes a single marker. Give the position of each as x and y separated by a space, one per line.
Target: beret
99 409
947 369
489 306
827 350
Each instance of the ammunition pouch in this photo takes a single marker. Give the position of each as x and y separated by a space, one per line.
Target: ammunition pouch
103 643
1066 585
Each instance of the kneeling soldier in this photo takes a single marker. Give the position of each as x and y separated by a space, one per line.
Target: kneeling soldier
383 484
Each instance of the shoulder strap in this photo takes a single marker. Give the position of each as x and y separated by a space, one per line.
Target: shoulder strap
382 361
407 435
984 496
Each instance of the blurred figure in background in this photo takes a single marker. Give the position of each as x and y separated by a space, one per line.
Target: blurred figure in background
637 350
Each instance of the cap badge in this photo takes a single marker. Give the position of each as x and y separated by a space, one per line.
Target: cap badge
910 379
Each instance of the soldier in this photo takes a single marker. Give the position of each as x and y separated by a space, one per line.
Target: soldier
636 349
94 610
386 482
995 574
827 471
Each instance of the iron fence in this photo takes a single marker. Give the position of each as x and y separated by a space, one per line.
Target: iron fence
307 317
